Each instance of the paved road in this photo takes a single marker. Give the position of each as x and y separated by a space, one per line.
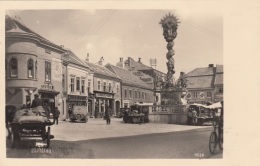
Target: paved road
118 140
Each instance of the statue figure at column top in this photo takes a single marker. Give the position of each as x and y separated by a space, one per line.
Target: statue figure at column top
170 24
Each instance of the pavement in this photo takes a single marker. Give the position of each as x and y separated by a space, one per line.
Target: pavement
97 128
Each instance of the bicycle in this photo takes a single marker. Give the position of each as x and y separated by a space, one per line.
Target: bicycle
215 138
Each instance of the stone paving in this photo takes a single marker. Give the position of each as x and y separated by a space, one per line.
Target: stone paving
97 128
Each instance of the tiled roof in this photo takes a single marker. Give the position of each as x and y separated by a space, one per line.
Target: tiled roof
128 78
76 60
101 70
219 79
201 71
219 69
14 24
199 82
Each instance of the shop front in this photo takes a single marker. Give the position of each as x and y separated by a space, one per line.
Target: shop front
101 100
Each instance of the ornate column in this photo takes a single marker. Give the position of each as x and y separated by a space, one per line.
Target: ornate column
170 24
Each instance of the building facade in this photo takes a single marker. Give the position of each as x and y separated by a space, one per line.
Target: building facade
133 89
33 66
205 85
149 75
75 82
106 90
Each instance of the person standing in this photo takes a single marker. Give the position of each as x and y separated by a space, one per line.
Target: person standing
57 114
108 114
194 117
36 101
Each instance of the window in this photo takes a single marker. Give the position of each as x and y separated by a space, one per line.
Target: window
109 87
30 68
82 86
220 90
72 84
117 88
195 94
104 86
142 95
78 84
208 94
139 95
89 84
99 85
130 93
136 94
36 70
63 81
125 93
13 67
47 71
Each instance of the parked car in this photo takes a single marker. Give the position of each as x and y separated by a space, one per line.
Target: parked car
79 114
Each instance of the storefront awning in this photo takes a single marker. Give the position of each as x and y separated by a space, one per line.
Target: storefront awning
49 91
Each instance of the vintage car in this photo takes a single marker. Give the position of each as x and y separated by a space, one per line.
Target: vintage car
78 114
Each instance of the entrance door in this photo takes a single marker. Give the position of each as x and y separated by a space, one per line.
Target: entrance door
117 107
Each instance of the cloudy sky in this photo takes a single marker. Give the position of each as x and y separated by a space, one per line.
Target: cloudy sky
114 33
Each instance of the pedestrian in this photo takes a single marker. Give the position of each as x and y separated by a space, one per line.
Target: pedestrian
108 114
57 114
36 101
194 117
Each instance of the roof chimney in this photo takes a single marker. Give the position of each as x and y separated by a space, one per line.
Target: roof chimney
120 63
211 65
129 62
87 59
139 60
182 73
100 62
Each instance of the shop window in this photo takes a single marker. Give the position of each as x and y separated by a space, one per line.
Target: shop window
30 68
99 85
47 71
104 86
36 69
72 84
109 87
77 84
13 67
82 86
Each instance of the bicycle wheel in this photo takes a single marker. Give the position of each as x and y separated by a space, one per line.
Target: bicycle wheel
220 142
212 142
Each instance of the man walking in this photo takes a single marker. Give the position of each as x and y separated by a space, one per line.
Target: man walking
108 114
57 114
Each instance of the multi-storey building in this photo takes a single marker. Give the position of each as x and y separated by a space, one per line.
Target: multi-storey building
133 88
149 75
33 66
205 84
76 76
106 89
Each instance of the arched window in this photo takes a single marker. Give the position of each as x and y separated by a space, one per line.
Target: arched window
13 67
36 69
30 68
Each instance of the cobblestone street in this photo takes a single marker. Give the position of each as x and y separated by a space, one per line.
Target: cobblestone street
96 139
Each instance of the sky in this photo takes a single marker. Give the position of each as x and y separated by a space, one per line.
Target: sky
114 33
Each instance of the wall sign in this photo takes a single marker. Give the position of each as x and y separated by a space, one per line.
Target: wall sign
104 95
